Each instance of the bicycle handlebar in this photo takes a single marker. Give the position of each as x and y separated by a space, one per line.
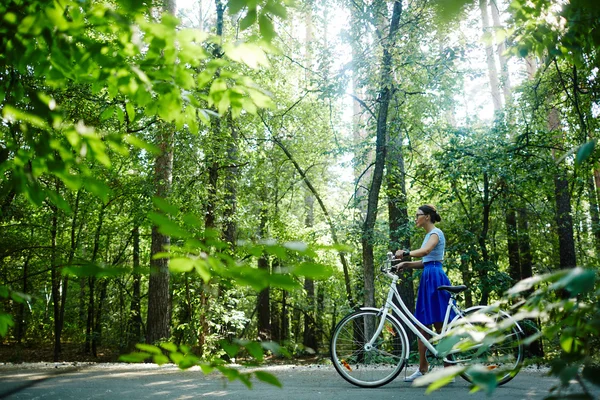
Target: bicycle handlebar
387 267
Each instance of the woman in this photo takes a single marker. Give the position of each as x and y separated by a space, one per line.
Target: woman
431 303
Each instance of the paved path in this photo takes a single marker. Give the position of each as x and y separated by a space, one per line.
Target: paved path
147 381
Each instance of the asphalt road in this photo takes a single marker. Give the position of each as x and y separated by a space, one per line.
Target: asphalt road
147 382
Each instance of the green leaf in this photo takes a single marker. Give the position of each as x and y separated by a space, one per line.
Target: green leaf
165 206
166 226
60 202
10 18
6 321
202 270
172 347
576 281
231 349
437 379
73 182
107 113
447 343
142 144
149 348
584 152
255 350
160 359
120 114
268 378
130 112
285 282
181 265
249 53
266 27
98 188
483 378
19 297
260 99
206 368
275 348
236 6
313 270
248 20
448 10
275 8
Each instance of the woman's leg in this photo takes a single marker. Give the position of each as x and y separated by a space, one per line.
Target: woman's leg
423 364
438 329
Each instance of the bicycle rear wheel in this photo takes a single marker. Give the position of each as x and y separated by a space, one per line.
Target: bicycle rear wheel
361 364
501 353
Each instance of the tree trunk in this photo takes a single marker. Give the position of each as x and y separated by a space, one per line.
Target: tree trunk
385 93
489 56
501 49
213 156
21 323
524 245
284 325
514 261
564 220
483 237
75 233
398 213
97 336
231 186
264 297
55 284
510 216
594 214
466 277
135 312
363 155
309 339
159 296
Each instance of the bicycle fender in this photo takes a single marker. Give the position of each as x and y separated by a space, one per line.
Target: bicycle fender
402 330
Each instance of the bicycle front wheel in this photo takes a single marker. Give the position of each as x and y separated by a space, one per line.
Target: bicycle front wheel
501 354
367 365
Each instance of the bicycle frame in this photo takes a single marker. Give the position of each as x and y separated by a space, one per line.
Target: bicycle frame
411 321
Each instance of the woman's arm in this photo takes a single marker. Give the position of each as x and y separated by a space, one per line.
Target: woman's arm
410 265
427 248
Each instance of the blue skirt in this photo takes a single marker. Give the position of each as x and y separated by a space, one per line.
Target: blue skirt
432 303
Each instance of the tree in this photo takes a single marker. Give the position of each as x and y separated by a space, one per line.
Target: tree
385 92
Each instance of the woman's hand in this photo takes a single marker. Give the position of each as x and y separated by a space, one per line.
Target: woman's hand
399 254
400 267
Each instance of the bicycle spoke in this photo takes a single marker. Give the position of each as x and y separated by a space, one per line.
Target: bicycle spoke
368 368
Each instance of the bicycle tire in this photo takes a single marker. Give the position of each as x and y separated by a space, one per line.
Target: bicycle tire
368 367
505 354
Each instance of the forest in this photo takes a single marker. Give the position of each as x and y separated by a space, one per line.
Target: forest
208 174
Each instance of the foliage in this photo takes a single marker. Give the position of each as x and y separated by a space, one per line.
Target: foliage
86 86
127 61
184 359
6 320
568 304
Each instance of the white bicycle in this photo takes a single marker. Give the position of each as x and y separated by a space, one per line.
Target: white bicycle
370 347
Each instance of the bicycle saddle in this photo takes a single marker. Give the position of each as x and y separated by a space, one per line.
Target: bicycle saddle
453 289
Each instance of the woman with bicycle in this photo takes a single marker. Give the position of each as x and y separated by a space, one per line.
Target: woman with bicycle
431 303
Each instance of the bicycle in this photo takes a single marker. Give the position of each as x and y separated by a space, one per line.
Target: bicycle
369 347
